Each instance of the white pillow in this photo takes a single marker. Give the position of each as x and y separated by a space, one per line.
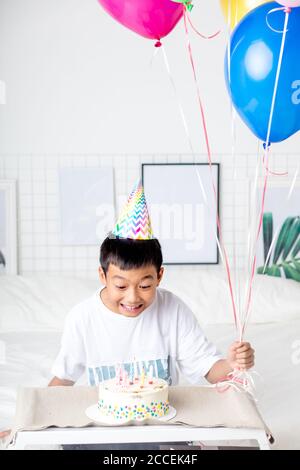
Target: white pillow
206 292
40 302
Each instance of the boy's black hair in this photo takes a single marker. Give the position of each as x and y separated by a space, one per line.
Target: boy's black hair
130 254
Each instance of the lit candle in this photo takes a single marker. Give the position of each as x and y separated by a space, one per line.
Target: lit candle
150 375
142 378
131 375
135 371
118 374
125 379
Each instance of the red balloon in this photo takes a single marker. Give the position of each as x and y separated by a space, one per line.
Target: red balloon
153 19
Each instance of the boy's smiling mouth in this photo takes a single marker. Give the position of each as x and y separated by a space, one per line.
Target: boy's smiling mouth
131 308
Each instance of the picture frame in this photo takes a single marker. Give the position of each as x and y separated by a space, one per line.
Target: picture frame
183 207
8 228
280 232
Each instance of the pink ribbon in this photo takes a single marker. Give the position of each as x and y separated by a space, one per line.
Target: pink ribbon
209 154
203 36
266 154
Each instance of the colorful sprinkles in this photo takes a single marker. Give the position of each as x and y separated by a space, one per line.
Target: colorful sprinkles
157 409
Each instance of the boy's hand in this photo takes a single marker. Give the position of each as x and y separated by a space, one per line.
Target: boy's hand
4 434
240 356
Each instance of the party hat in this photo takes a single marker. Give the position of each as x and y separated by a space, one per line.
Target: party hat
134 221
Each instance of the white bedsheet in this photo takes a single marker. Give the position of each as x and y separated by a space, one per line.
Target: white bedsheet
29 357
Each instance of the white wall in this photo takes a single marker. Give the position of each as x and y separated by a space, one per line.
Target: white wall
78 82
80 92
39 240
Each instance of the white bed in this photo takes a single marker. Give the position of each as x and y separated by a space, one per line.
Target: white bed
31 328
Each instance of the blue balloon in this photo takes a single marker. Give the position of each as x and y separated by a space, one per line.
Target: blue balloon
254 51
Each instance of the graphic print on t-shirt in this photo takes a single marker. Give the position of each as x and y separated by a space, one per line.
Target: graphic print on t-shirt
160 367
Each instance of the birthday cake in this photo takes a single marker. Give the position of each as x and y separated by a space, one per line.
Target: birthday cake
137 399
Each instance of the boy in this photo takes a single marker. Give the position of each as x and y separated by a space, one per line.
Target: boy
131 319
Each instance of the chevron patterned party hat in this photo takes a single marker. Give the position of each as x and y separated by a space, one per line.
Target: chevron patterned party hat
134 221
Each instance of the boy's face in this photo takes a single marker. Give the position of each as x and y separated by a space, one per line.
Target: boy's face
130 292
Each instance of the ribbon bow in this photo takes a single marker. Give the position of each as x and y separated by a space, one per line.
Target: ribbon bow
187 3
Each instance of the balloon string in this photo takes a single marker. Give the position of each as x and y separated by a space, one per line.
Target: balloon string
240 380
179 103
187 7
233 155
203 36
209 154
285 9
185 125
275 173
267 145
235 255
286 20
283 207
252 274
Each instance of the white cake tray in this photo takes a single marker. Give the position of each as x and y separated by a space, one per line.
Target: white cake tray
95 415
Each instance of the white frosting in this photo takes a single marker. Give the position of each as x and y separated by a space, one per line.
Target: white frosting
133 399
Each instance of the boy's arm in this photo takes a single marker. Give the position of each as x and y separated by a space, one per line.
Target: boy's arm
240 356
218 371
60 382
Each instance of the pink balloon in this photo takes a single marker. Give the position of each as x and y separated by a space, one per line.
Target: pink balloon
152 19
289 3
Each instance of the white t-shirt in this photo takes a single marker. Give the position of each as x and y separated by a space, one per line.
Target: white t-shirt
165 335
